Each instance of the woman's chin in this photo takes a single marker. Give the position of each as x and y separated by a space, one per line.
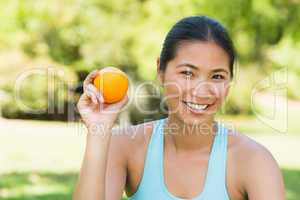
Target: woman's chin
195 120
191 119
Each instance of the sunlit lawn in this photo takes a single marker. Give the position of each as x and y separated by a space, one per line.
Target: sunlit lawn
41 160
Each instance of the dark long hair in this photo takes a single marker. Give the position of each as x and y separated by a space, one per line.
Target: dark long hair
196 28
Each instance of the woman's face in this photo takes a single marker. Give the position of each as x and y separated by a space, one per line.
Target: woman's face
196 81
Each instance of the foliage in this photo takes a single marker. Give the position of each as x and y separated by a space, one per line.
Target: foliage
84 35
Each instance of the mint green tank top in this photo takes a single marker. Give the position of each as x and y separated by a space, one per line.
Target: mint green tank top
152 184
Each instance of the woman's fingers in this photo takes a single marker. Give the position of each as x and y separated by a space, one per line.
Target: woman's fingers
83 101
91 90
89 79
92 97
95 92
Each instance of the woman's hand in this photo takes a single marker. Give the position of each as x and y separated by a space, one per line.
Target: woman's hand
99 118
96 114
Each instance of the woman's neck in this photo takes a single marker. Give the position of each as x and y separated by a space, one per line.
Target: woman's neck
189 137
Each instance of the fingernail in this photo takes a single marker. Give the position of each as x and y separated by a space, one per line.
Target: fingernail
94 100
101 98
90 87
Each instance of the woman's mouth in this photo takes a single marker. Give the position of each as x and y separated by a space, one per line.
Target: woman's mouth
196 108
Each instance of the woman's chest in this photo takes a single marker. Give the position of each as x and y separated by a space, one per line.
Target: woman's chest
183 177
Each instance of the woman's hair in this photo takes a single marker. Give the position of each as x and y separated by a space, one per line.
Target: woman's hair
196 28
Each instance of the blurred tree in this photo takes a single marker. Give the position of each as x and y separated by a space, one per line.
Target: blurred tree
84 35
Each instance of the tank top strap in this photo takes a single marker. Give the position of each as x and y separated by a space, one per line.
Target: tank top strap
155 139
149 182
216 174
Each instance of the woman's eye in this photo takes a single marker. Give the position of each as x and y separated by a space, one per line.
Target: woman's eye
218 76
187 73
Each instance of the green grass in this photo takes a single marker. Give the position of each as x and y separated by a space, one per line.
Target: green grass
36 185
40 160
59 186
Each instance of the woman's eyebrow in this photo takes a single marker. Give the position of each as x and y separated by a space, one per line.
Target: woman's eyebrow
220 70
196 68
187 65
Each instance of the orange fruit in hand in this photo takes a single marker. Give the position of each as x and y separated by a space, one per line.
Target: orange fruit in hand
112 83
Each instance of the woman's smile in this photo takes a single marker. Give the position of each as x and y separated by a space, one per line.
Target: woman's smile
197 108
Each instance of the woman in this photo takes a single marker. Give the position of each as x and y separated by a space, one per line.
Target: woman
187 155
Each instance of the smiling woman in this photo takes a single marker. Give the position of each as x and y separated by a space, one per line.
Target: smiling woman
188 155
200 77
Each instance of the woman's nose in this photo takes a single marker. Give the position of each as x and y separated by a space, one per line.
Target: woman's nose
203 89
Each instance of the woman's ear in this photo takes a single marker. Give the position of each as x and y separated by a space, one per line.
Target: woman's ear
159 76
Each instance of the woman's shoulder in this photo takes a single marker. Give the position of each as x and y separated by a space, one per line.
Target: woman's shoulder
242 145
250 158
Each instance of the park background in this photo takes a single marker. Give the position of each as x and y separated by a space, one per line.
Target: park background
48 47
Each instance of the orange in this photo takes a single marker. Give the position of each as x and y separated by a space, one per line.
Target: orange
112 83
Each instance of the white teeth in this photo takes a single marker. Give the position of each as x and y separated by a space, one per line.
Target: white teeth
197 106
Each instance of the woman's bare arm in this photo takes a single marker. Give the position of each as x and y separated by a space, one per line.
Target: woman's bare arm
90 185
104 162
116 171
262 176
99 119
